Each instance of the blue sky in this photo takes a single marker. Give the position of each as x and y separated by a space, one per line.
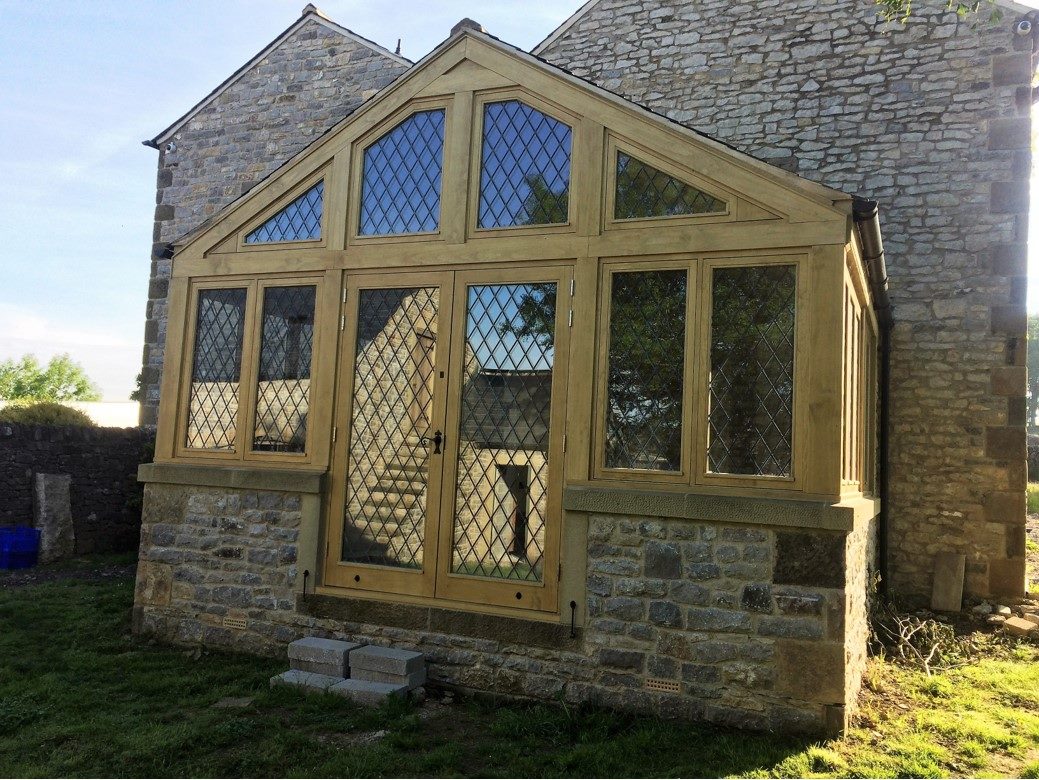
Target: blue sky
82 84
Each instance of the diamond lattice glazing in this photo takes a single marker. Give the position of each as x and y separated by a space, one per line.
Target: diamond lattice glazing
283 389
388 464
299 221
501 488
216 369
525 167
646 366
752 370
644 191
400 192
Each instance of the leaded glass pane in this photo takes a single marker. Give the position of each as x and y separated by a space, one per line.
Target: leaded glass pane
646 365
392 405
216 369
283 388
299 221
400 192
644 191
752 370
525 167
501 492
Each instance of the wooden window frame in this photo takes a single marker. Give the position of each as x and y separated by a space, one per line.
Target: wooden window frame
560 114
802 391
324 331
300 189
615 144
357 151
599 470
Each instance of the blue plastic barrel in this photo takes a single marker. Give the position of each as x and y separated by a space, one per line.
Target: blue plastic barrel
19 547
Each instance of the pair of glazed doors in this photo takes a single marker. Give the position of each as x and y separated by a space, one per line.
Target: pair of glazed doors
447 464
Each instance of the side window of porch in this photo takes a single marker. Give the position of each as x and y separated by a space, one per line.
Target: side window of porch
216 369
401 180
283 381
524 167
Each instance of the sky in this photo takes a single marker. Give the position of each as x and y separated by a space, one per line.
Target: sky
83 83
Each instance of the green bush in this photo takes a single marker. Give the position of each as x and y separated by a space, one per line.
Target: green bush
43 413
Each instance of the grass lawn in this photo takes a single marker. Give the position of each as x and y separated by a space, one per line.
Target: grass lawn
79 696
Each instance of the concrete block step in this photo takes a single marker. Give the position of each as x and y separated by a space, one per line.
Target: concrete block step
366 691
388 660
307 681
321 656
411 681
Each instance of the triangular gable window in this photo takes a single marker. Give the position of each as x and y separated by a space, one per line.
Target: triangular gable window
644 191
298 221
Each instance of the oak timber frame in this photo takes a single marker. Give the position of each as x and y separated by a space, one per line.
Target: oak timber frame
771 217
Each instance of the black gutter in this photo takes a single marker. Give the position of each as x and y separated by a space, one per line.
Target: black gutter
866 214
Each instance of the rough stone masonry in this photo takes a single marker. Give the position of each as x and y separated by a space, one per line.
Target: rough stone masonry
933 121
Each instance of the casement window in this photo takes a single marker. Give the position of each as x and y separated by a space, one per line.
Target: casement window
250 368
697 378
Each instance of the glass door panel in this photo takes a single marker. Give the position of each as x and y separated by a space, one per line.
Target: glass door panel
393 425
505 449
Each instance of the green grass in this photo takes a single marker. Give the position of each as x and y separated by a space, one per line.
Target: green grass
79 696
1033 498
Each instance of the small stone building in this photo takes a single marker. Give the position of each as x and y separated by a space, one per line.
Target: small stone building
480 356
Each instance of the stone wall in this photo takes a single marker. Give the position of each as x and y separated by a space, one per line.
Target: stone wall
314 79
105 494
746 625
933 122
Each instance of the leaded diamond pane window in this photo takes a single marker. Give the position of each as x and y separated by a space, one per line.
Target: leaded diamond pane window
501 493
388 467
645 370
216 370
525 167
644 191
299 221
283 386
752 370
400 191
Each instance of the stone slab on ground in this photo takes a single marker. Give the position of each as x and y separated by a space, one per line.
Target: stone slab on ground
366 691
947 592
1032 617
389 660
411 681
321 656
1020 627
52 514
309 681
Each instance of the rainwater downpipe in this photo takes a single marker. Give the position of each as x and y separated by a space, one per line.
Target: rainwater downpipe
866 214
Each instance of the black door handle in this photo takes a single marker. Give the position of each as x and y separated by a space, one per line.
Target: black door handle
438 439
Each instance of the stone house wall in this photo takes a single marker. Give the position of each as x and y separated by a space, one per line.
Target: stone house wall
304 86
933 122
746 625
105 494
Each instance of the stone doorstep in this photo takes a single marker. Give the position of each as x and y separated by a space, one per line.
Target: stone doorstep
316 667
308 681
324 656
411 681
1020 627
366 691
386 659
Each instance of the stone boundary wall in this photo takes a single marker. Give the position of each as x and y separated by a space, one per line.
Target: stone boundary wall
749 626
933 121
105 494
309 83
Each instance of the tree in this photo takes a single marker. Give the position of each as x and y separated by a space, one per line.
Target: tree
902 10
138 391
62 379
